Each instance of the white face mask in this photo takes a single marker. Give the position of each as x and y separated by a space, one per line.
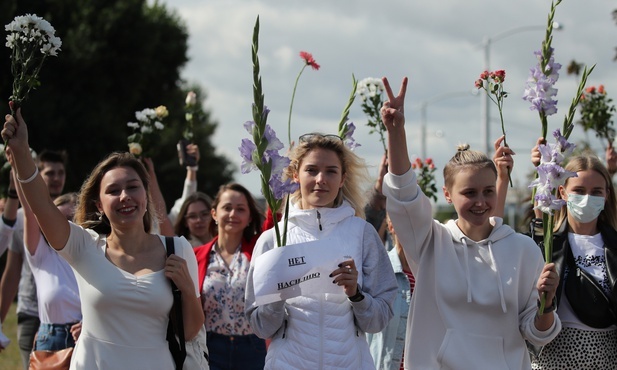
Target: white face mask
585 208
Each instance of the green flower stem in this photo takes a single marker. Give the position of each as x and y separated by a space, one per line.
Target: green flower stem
293 96
258 135
345 115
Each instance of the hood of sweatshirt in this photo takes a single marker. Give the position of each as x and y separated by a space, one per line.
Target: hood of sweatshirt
319 221
499 232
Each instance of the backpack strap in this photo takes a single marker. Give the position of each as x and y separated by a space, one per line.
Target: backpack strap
175 328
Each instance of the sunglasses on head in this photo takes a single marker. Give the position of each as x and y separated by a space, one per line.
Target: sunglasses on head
308 137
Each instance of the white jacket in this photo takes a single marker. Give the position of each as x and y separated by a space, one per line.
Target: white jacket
326 331
474 303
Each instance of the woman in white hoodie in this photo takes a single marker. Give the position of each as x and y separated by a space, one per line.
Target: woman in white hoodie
478 281
326 331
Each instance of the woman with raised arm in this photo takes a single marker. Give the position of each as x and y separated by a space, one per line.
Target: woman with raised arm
477 281
122 270
585 255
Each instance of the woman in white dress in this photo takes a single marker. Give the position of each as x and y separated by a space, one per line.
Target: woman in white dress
122 270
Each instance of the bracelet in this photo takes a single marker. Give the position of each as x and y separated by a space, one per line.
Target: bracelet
548 309
357 297
192 168
12 193
29 179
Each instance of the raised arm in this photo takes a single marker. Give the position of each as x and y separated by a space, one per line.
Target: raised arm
611 159
536 156
190 183
504 163
54 225
9 216
393 117
32 233
165 226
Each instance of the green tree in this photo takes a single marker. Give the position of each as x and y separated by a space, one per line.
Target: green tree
117 57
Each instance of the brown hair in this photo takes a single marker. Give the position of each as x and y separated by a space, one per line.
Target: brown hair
465 158
180 227
353 168
254 227
87 214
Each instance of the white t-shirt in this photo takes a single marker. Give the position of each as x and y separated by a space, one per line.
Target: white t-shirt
57 290
125 316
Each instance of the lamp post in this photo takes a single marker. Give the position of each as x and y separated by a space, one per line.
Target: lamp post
423 107
486 44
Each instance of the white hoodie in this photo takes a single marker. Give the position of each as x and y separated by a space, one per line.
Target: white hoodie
326 331
474 303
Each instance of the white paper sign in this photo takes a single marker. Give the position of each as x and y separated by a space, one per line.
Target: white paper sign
297 269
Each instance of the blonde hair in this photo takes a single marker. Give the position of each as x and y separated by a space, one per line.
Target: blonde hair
353 168
587 162
87 214
465 158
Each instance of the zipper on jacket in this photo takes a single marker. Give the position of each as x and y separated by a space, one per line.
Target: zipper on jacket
319 220
284 328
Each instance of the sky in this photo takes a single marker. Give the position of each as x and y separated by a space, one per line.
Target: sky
437 44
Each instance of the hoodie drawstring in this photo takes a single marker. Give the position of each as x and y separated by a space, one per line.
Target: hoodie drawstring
499 284
467 276
319 220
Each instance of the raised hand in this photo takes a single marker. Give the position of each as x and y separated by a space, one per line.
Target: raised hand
536 156
15 130
393 110
393 117
503 158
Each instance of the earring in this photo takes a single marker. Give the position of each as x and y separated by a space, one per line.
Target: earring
216 222
100 214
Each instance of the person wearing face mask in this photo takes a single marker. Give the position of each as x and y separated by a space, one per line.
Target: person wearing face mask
585 254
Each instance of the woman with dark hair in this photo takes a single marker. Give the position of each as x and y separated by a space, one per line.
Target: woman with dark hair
223 265
193 220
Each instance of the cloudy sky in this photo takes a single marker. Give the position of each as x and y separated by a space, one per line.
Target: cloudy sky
437 44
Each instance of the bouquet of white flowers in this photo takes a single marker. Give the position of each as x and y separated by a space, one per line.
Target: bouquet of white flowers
31 40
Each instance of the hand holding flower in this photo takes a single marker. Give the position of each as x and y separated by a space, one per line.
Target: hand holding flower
503 159
15 128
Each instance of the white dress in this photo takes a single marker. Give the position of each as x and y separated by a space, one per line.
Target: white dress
125 316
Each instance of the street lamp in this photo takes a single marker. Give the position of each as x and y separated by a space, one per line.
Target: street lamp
486 44
434 99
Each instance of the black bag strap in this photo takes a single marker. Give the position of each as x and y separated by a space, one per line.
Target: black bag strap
175 328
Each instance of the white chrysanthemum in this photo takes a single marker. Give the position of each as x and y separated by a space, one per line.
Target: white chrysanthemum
146 129
133 125
158 125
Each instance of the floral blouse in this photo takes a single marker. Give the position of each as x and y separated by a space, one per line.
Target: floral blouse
223 292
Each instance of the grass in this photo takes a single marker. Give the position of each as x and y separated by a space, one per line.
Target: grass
10 359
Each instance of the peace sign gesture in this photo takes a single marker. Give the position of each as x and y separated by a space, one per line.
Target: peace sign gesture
393 110
393 117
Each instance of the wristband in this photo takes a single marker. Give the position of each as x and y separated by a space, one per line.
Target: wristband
192 168
12 193
548 309
356 297
29 179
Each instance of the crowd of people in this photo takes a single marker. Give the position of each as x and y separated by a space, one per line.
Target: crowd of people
91 271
